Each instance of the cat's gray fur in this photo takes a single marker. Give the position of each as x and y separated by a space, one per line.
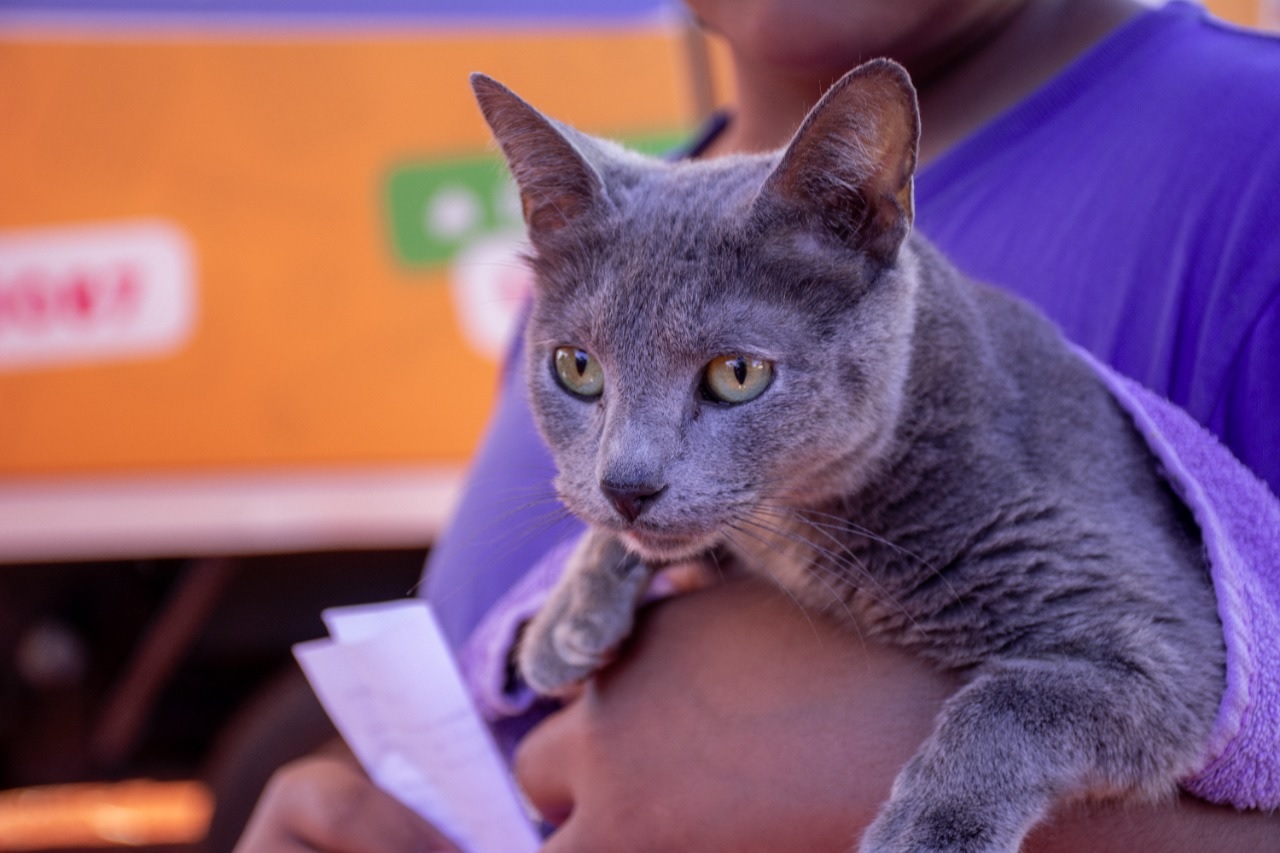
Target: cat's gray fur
930 457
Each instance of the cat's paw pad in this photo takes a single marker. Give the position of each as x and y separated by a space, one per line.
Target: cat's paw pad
553 662
582 644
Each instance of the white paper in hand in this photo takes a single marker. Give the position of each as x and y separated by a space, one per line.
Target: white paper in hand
390 685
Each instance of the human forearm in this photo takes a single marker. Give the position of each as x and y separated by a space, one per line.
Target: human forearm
1179 825
738 722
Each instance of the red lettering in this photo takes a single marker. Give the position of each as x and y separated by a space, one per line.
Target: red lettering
77 296
22 302
26 301
127 292
33 300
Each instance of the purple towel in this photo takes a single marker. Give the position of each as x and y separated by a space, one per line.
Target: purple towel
1239 520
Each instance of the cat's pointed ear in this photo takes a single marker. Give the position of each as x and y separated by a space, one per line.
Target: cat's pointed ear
557 184
849 168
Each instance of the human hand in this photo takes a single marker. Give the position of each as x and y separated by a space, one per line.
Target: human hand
324 803
734 721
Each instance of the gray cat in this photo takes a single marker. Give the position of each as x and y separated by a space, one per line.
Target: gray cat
753 357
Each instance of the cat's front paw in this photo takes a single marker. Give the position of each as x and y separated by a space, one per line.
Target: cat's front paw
555 656
588 614
913 826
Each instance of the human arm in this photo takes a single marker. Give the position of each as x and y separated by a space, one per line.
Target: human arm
737 722
325 802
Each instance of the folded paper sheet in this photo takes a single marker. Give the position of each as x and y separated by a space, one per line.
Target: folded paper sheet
388 681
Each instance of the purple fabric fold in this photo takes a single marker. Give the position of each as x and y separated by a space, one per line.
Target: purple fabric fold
1239 519
486 656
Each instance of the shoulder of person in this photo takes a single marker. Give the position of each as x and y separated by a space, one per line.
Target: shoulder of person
1217 66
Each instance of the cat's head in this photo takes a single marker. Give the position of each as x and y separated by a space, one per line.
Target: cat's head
714 342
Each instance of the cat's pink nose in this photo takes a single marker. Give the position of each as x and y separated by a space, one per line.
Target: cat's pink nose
631 499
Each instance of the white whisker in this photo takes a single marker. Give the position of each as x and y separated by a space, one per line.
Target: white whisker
842 559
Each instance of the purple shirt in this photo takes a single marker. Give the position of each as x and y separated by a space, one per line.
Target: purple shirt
1136 200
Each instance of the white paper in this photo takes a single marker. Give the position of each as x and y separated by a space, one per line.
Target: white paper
390 685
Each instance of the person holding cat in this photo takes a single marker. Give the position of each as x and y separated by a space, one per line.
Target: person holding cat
1110 164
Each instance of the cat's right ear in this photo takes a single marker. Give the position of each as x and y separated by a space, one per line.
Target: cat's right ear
557 184
849 167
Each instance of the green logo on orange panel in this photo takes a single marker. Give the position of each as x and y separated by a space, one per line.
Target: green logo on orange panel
436 208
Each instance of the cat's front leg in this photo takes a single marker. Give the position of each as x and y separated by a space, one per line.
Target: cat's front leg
1022 736
590 612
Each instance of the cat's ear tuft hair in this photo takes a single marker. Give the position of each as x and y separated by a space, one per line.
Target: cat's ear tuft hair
557 184
849 168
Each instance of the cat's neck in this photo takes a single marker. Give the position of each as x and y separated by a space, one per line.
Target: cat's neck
951 367
868 502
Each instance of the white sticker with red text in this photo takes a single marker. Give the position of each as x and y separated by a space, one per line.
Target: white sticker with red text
490 281
89 293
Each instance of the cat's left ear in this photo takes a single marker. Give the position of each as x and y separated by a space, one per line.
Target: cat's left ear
557 184
849 168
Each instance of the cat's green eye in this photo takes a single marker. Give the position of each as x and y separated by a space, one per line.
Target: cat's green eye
736 378
579 372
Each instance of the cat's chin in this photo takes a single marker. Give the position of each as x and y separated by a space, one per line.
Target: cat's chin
657 547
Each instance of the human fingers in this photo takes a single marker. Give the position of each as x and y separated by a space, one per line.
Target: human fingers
683 577
326 804
545 762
